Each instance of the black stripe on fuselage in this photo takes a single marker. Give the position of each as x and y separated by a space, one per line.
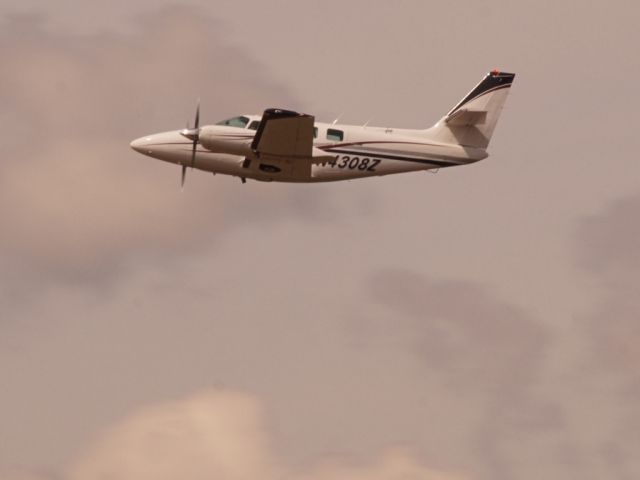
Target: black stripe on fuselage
384 156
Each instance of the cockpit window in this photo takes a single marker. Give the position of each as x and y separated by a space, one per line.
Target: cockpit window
240 122
335 135
254 125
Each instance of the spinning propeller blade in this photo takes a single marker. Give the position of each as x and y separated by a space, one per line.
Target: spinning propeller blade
196 137
192 134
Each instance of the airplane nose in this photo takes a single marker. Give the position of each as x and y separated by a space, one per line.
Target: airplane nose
160 145
140 144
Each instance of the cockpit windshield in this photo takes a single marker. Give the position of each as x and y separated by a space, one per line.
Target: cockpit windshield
240 122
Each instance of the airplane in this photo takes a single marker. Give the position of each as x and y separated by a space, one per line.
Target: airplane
286 146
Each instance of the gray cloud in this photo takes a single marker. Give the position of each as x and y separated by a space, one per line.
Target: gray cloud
76 202
608 242
550 405
475 340
609 380
480 357
609 250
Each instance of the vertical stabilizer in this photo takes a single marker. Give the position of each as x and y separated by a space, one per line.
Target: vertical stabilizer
472 121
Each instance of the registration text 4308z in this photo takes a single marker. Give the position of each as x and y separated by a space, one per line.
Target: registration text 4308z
364 164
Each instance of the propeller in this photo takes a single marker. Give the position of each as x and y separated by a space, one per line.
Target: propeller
191 134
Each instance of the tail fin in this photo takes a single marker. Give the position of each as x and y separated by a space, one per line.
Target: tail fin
472 121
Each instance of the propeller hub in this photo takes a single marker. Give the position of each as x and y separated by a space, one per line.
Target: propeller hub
190 133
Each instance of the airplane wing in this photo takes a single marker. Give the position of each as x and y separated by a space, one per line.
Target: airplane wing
283 133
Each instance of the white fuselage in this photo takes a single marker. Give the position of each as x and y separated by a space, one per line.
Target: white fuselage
340 152
286 146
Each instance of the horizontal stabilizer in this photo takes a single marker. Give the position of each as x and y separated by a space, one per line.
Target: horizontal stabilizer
464 117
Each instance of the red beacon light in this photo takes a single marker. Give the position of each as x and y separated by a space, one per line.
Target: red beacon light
495 72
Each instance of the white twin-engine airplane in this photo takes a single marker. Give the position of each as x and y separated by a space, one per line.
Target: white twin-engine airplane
286 146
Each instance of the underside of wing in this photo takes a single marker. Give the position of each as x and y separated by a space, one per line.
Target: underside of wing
283 133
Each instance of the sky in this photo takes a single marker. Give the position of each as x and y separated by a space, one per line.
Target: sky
480 323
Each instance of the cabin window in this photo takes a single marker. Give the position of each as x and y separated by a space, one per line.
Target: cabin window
240 122
315 132
254 125
335 135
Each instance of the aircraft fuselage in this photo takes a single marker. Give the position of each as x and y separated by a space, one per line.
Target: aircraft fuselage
362 152
286 146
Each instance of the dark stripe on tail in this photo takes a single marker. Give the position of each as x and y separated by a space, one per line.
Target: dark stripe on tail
493 81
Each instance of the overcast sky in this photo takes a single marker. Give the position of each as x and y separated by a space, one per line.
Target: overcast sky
481 323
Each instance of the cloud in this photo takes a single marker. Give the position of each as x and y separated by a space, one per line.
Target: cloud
216 434
608 249
480 358
608 242
532 399
462 330
394 464
607 382
77 204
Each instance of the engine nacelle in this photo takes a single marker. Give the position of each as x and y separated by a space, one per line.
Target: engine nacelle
232 141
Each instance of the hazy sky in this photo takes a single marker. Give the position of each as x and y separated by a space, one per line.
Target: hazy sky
481 323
